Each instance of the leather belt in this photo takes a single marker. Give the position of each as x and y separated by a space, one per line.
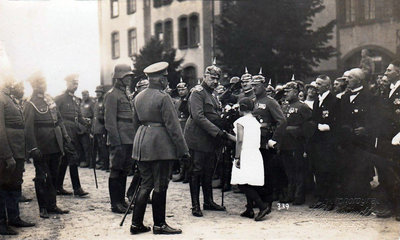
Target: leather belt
127 120
152 124
73 119
15 125
45 125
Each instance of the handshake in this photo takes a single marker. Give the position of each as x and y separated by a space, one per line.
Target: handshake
224 135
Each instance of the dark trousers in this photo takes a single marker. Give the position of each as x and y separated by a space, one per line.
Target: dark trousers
294 165
253 195
100 149
85 149
73 172
267 189
10 192
154 175
46 172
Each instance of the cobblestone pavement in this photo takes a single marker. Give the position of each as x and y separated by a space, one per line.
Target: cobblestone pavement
91 218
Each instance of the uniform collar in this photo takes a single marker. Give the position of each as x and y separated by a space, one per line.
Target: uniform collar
119 85
206 87
393 87
70 93
322 97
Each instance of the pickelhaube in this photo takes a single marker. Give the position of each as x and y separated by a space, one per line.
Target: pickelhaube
181 85
213 70
258 78
246 77
234 80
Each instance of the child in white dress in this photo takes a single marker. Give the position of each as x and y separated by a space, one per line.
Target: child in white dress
248 168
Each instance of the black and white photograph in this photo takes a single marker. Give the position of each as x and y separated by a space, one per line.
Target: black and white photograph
199 119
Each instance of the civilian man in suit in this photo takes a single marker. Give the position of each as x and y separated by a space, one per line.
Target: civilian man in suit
322 144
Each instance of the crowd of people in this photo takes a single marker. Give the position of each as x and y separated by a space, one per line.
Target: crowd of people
338 140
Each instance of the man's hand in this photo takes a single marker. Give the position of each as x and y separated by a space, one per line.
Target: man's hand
396 140
323 127
10 164
36 154
271 144
186 157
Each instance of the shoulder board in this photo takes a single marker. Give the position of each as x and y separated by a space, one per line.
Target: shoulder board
197 88
269 97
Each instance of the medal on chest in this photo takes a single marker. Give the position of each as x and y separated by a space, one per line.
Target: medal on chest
261 106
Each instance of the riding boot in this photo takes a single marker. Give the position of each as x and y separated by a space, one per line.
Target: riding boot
73 170
140 207
158 206
209 203
194 185
122 180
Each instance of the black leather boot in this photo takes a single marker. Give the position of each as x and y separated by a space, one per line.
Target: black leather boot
194 185
115 189
158 206
209 203
5 229
140 207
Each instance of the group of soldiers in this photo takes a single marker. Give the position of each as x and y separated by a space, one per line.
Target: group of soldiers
335 136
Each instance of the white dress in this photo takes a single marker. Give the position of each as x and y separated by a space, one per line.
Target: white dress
251 162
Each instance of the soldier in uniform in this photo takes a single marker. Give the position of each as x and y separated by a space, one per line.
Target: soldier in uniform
45 143
298 115
99 131
158 142
120 134
203 133
12 158
273 125
85 135
68 106
322 145
181 107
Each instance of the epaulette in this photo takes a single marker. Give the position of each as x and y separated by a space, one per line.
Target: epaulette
197 88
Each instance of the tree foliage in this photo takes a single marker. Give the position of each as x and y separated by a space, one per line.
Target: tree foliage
155 51
275 35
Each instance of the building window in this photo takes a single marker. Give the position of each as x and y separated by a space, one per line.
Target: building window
115 45
168 34
350 9
369 9
131 6
158 31
194 32
132 42
183 32
114 8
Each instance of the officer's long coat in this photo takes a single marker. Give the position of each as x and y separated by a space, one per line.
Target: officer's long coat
204 121
158 135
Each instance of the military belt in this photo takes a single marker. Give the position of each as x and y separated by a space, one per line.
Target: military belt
153 124
128 120
45 125
15 125
69 118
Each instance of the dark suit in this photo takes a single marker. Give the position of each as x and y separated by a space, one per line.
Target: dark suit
44 132
356 169
12 145
322 148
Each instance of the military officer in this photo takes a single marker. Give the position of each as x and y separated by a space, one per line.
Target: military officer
298 115
68 105
12 158
99 131
45 143
120 134
203 133
273 125
85 135
158 142
181 106
323 143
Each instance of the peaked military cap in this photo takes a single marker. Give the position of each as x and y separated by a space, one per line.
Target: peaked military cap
143 82
36 78
234 80
156 68
100 88
72 78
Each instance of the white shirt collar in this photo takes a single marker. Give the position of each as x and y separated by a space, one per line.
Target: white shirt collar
393 87
339 95
357 89
322 97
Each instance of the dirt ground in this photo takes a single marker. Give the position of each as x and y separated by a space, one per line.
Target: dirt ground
91 218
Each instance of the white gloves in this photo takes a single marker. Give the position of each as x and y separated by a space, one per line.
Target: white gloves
396 140
271 143
323 127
